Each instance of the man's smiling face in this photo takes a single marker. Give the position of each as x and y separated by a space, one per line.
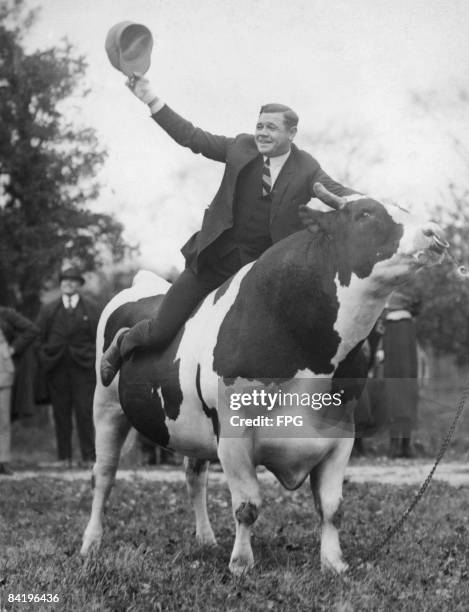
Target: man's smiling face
272 136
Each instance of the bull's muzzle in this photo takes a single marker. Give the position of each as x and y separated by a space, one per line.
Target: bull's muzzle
435 233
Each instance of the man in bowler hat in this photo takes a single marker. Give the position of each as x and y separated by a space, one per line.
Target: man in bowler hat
266 180
68 334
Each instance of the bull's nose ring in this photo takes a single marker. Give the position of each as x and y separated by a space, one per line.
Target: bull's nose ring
441 242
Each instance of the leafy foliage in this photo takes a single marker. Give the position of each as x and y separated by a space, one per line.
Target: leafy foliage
47 167
444 320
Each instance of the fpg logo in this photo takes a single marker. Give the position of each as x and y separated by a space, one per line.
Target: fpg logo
287 420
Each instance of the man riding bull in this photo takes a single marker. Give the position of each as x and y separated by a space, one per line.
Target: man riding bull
266 179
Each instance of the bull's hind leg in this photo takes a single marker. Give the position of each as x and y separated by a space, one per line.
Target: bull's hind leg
238 465
196 480
112 427
326 483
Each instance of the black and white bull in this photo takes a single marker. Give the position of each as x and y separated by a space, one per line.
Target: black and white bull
299 313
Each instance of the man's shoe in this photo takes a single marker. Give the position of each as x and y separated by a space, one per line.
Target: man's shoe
111 360
5 470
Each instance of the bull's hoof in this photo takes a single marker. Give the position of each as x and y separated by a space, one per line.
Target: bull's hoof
90 544
207 538
240 566
337 566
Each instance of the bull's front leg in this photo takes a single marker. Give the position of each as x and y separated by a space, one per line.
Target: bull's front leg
196 480
237 461
112 427
326 481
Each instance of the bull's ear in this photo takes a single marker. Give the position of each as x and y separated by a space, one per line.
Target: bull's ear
329 198
311 219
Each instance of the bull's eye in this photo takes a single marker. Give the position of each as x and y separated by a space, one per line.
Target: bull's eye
363 214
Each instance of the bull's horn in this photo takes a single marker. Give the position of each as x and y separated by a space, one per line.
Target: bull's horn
332 200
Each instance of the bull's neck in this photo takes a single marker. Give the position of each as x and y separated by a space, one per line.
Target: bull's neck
296 280
303 281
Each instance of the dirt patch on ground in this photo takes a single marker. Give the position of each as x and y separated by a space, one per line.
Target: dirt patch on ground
456 474
394 473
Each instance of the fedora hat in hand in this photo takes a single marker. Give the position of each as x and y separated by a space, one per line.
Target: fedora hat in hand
128 47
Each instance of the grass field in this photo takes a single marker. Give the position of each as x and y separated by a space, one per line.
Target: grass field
149 560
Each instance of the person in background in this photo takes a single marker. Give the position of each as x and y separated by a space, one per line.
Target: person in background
17 334
68 345
369 417
400 370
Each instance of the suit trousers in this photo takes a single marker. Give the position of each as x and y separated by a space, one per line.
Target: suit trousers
5 424
71 390
184 295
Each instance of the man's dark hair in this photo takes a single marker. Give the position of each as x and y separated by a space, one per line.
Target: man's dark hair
290 118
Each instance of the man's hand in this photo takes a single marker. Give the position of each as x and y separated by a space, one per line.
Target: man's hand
141 88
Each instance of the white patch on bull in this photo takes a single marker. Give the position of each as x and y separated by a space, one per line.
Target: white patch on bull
306 373
145 284
359 308
413 238
196 347
167 420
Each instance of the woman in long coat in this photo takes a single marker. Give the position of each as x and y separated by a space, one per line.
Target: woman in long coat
400 370
16 336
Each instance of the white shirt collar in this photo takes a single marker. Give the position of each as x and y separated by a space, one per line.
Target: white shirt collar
278 160
73 301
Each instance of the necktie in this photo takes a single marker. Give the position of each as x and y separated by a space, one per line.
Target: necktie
266 178
68 302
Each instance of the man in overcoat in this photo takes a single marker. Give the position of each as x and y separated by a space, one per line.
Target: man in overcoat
68 337
266 179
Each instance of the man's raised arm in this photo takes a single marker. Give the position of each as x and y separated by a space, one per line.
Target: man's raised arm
182 131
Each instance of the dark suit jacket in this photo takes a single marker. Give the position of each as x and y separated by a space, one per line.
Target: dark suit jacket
82 353
19 331
294 185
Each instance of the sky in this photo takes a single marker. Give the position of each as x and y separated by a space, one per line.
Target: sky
345 66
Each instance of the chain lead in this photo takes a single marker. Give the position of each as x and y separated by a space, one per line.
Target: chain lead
393 529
